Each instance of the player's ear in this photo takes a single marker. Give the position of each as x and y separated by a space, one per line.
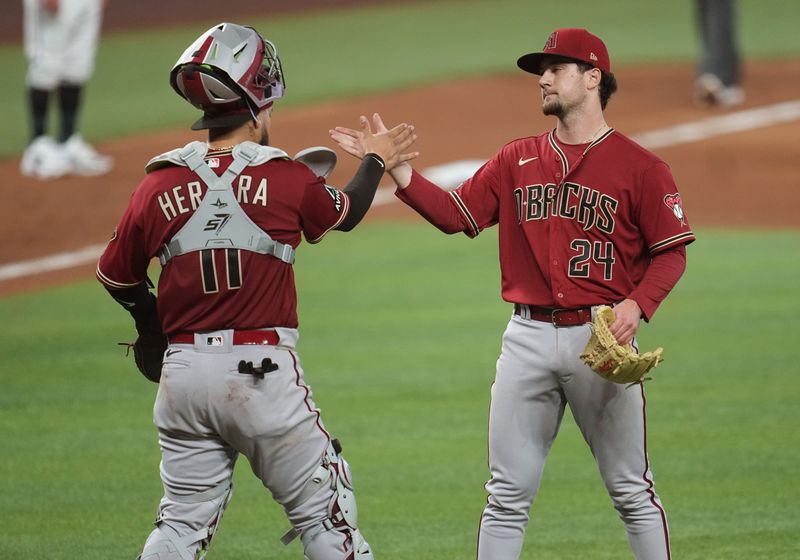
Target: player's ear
261 122
592 77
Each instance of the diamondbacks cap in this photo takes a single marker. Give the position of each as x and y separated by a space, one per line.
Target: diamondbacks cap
570 42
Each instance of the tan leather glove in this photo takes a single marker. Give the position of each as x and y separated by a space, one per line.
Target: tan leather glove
612 361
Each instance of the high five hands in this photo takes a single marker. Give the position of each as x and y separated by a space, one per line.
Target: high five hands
389 144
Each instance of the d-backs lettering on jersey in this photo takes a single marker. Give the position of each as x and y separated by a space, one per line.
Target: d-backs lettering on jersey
577 227
222 288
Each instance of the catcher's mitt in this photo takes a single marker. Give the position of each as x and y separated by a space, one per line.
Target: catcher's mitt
612 361
148 352
319 159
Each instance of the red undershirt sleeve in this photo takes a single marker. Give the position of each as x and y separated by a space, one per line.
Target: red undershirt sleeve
662 274
435 205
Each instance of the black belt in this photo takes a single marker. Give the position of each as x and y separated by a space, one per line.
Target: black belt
556 317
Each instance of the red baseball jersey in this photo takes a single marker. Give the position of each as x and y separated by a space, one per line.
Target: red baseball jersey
577 224
222 288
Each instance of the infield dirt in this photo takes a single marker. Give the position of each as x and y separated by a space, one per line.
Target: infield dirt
746 179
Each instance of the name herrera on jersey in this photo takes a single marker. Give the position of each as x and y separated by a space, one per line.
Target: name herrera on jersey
182 199
587 206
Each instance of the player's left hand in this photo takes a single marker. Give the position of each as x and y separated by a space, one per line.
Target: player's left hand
628 314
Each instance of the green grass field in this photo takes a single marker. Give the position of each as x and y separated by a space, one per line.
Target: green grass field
400 330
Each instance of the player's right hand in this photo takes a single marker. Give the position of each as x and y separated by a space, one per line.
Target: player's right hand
389 144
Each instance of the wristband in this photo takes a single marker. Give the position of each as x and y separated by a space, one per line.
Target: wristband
377 158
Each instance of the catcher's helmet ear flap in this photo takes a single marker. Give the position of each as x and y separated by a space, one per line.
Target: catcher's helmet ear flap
229 69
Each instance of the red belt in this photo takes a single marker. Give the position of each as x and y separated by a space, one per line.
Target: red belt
557 317
268 337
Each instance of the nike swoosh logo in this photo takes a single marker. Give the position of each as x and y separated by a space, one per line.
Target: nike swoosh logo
524 161
171 352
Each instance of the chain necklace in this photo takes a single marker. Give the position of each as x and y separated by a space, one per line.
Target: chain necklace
596 135
220 149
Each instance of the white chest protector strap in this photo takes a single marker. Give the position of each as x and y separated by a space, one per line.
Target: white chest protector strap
219 221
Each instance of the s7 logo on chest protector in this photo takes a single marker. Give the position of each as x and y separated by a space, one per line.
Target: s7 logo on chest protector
217 222
673 202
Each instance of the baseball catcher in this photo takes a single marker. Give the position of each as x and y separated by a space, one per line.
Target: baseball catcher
614 361
225 218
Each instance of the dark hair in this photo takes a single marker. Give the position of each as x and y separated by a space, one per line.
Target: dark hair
215 133
608 83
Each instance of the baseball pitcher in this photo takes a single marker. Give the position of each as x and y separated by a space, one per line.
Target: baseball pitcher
588 221
225 218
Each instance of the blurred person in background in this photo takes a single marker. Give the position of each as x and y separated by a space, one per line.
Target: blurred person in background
718 80
60 38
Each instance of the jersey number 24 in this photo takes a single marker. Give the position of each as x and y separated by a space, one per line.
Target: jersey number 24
599 252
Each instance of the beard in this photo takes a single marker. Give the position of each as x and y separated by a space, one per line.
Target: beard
555 108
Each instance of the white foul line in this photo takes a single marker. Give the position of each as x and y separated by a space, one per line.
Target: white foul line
51 263
740 121
716 126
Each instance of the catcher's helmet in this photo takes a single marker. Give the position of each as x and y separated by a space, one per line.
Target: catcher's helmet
230 72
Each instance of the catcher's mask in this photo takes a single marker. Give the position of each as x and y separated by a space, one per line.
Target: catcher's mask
231 73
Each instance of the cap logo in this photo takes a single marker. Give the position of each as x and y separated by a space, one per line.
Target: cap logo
592 56
551 41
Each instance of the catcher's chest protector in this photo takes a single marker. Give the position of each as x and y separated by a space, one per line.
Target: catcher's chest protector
219 221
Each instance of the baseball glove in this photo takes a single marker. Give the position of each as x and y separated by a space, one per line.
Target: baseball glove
612 361
148 353
319 159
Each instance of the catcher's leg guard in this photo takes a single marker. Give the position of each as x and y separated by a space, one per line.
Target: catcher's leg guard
337 536
186 525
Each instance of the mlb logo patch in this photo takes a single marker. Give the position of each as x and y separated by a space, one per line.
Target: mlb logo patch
214 341
213 163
